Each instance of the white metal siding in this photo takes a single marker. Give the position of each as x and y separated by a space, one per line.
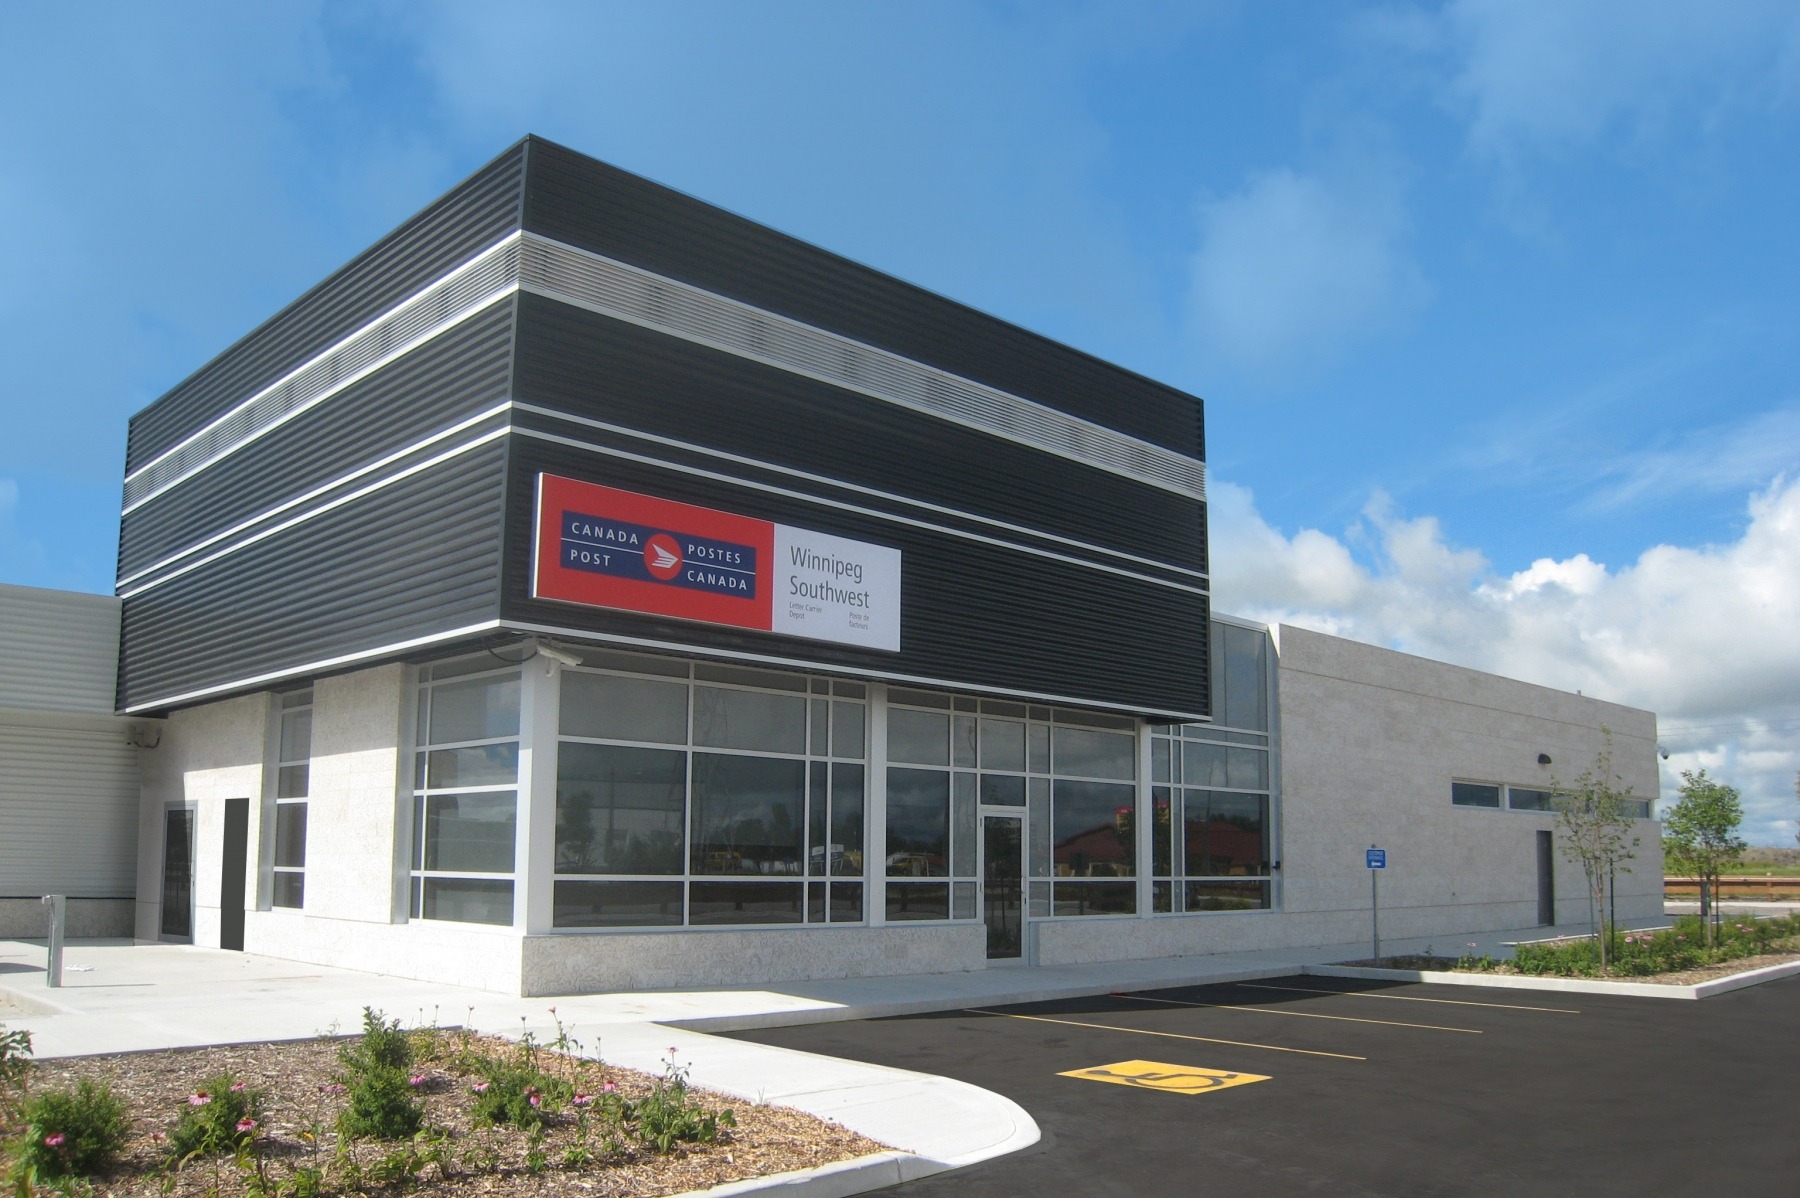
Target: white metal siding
59 650
68 812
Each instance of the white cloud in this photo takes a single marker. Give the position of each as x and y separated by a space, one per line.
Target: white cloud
1295 267
1708 637
1560 74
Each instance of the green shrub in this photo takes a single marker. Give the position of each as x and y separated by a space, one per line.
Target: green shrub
670 1114
381 1106
520 1095
382 1045
71 1133
1640 954
221 1116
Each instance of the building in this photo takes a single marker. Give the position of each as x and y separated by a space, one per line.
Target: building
585 588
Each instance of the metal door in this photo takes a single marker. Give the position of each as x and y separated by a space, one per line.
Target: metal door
1546 878
178 874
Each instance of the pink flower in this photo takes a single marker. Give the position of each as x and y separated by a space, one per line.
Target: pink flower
331 1088
199 1099
55 1139
246 1124
536 1101
158 1137
583 1099
553 1010
239 1087
673 1050
480 1087
417 1079
609 1087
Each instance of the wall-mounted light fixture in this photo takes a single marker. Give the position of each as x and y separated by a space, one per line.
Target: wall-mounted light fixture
1543 759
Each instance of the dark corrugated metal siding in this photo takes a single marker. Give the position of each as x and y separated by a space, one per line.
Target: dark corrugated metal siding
478 212
576 361
419 557
586 203
976 614
458 373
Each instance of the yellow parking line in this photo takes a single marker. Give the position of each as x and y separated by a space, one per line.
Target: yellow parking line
1221 1006
1138 1031
1454 1002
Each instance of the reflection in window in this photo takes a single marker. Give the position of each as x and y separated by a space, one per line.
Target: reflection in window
293 782
720 819
465 805
918 823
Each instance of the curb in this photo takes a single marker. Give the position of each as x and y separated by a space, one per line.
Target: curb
1502 981
837 1180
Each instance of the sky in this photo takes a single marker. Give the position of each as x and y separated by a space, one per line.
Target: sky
1495 304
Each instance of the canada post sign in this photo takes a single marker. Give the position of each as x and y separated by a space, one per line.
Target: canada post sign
609 548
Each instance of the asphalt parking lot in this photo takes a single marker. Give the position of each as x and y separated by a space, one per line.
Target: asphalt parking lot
1369 1089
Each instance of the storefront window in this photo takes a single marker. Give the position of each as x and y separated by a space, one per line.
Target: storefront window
465 795
704 795
1211 795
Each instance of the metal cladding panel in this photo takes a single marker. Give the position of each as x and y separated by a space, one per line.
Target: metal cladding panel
461 372
68 811
974 614
59 650
418 558
579 200
475 214
589 365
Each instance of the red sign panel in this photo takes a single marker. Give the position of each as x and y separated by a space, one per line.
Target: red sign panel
613 548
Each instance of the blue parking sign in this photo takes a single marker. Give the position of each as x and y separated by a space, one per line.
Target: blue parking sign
1377 858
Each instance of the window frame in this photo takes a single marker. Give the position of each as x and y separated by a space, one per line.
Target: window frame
289 704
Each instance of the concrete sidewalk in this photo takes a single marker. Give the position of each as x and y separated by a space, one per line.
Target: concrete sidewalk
120 997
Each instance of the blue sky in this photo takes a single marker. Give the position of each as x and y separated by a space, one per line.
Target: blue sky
1493 303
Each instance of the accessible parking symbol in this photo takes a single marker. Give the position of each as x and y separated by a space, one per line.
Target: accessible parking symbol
1170 1079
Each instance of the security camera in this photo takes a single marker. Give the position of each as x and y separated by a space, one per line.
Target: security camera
1664 753
558 655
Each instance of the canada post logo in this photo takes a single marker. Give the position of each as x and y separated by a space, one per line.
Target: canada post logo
599 544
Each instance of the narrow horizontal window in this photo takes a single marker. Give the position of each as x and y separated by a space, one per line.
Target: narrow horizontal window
1474 794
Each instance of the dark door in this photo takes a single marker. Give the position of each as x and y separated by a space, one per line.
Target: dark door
1546 862
231 874
178 874
1003 885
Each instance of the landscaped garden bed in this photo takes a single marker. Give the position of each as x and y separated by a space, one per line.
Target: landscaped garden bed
1677 956
437 1111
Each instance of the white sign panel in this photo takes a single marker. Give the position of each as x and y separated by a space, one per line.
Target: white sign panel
835 589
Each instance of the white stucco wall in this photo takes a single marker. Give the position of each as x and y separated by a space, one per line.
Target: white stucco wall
206 755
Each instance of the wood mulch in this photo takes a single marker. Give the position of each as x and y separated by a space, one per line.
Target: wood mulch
303 1103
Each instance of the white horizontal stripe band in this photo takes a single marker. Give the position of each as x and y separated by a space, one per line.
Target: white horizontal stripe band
876 513
441 306
575 276
321 489
303 517
840 484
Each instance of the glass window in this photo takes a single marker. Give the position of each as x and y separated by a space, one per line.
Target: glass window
1003 790
1220 765
1223 834
612 707
467 900
918 737
293 782
748 815
1474 794
1521 799
728 719
480 709
473 765
1002 745
918 900
617 904
620 810
1088 754
470 833
746 902
918 823
847 792
847 729
1225 896
1095 898
1093 830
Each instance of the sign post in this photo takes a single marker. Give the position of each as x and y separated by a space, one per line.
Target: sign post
1377 861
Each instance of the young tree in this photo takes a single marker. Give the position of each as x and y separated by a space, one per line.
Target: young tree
1701 834
1596 834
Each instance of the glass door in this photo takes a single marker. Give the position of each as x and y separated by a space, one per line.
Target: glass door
1003 885
178 874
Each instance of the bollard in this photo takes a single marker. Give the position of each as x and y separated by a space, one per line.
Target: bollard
56 903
